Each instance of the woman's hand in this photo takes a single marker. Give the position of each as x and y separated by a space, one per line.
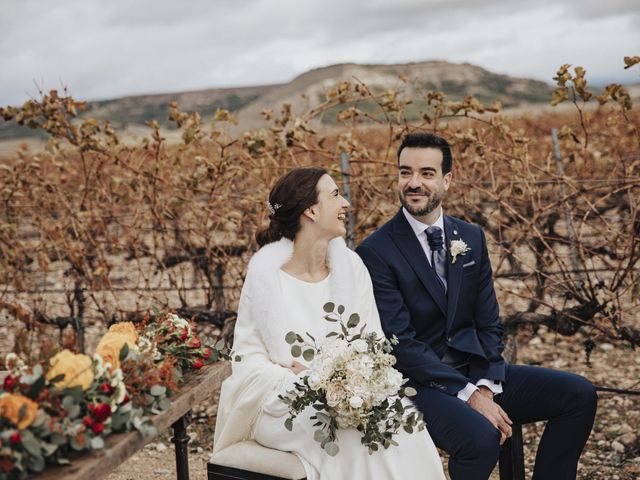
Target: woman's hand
297 367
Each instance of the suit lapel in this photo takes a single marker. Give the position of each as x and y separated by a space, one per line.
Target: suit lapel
454 275
410 247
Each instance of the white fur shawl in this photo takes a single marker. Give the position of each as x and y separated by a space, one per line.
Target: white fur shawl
263 287
262 325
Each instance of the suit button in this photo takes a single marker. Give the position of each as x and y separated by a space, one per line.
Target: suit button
448 339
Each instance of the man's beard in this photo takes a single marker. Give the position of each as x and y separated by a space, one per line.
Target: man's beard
435 199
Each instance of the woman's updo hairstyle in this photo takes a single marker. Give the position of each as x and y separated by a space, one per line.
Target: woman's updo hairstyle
292 194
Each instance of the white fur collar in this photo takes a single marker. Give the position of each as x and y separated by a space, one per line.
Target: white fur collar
267 296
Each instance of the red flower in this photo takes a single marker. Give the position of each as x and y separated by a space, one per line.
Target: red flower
15 438
206 353
9 383
6 464
97 427
185 334
197 364
194 343
106 388
125 399
88 421
101 411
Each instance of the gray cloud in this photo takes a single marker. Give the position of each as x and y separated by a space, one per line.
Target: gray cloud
108 49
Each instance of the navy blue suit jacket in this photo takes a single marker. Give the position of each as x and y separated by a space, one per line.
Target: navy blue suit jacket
428 322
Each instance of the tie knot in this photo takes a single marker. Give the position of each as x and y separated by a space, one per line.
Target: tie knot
434 237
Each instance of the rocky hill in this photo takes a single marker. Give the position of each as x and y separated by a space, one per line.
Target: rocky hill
456 80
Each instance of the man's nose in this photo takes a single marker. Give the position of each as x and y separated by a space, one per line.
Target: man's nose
414 181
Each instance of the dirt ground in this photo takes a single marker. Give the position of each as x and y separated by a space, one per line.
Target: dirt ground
612 453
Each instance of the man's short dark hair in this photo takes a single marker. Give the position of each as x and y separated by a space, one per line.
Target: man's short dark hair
428 140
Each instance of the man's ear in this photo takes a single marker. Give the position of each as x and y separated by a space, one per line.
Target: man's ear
447 180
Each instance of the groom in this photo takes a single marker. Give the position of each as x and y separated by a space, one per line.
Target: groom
433 285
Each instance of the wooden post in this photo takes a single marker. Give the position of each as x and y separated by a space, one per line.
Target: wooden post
570 230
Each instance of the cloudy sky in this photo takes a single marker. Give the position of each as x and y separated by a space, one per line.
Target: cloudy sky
110 48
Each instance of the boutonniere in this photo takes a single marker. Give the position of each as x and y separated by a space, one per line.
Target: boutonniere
458 247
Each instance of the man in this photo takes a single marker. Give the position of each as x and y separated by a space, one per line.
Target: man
434 289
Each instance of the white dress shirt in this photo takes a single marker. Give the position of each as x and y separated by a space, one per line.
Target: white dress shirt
419 229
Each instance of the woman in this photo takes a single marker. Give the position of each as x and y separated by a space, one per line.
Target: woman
304 263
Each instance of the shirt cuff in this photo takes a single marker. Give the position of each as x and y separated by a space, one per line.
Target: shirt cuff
493 385
466 392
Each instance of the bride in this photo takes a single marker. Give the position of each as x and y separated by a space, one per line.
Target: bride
304 263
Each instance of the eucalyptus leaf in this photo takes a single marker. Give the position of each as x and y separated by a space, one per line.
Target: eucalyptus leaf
329 307
354 320
35 464
58 438
340 309
75 445
158 390
67 402
332 449
308 355
75 392
290 338
164 404
319 436
410 391
97 443
30 443
296 351
288 424
74 411
323 417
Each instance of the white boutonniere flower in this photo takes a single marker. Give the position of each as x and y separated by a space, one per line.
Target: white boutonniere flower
458 247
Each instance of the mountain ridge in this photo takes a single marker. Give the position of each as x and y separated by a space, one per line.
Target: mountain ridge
309 89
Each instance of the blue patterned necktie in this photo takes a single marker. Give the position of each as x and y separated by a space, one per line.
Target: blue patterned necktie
438 254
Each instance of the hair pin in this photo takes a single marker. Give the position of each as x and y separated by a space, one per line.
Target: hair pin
273 208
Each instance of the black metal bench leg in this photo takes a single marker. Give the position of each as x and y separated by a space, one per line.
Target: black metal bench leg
512 456
181 440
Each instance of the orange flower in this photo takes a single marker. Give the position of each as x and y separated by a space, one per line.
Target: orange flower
110 346
127 329
12 406
76 368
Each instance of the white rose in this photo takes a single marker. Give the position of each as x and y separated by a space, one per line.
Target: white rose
359 345
355 402
314 381
335 394
394 379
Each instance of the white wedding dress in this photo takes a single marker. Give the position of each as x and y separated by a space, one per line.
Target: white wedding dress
415 457
271 304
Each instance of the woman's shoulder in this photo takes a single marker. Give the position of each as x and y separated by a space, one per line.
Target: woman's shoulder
341 255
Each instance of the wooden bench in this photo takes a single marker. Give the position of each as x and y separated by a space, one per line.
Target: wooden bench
251 461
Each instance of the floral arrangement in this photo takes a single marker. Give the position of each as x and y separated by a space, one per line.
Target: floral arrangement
351 382
458 247
74 401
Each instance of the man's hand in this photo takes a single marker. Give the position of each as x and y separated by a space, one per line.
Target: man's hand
485 405
486 391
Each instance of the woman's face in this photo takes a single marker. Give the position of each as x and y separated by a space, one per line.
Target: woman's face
330 212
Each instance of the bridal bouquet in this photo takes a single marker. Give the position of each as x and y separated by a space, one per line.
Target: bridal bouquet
351 383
